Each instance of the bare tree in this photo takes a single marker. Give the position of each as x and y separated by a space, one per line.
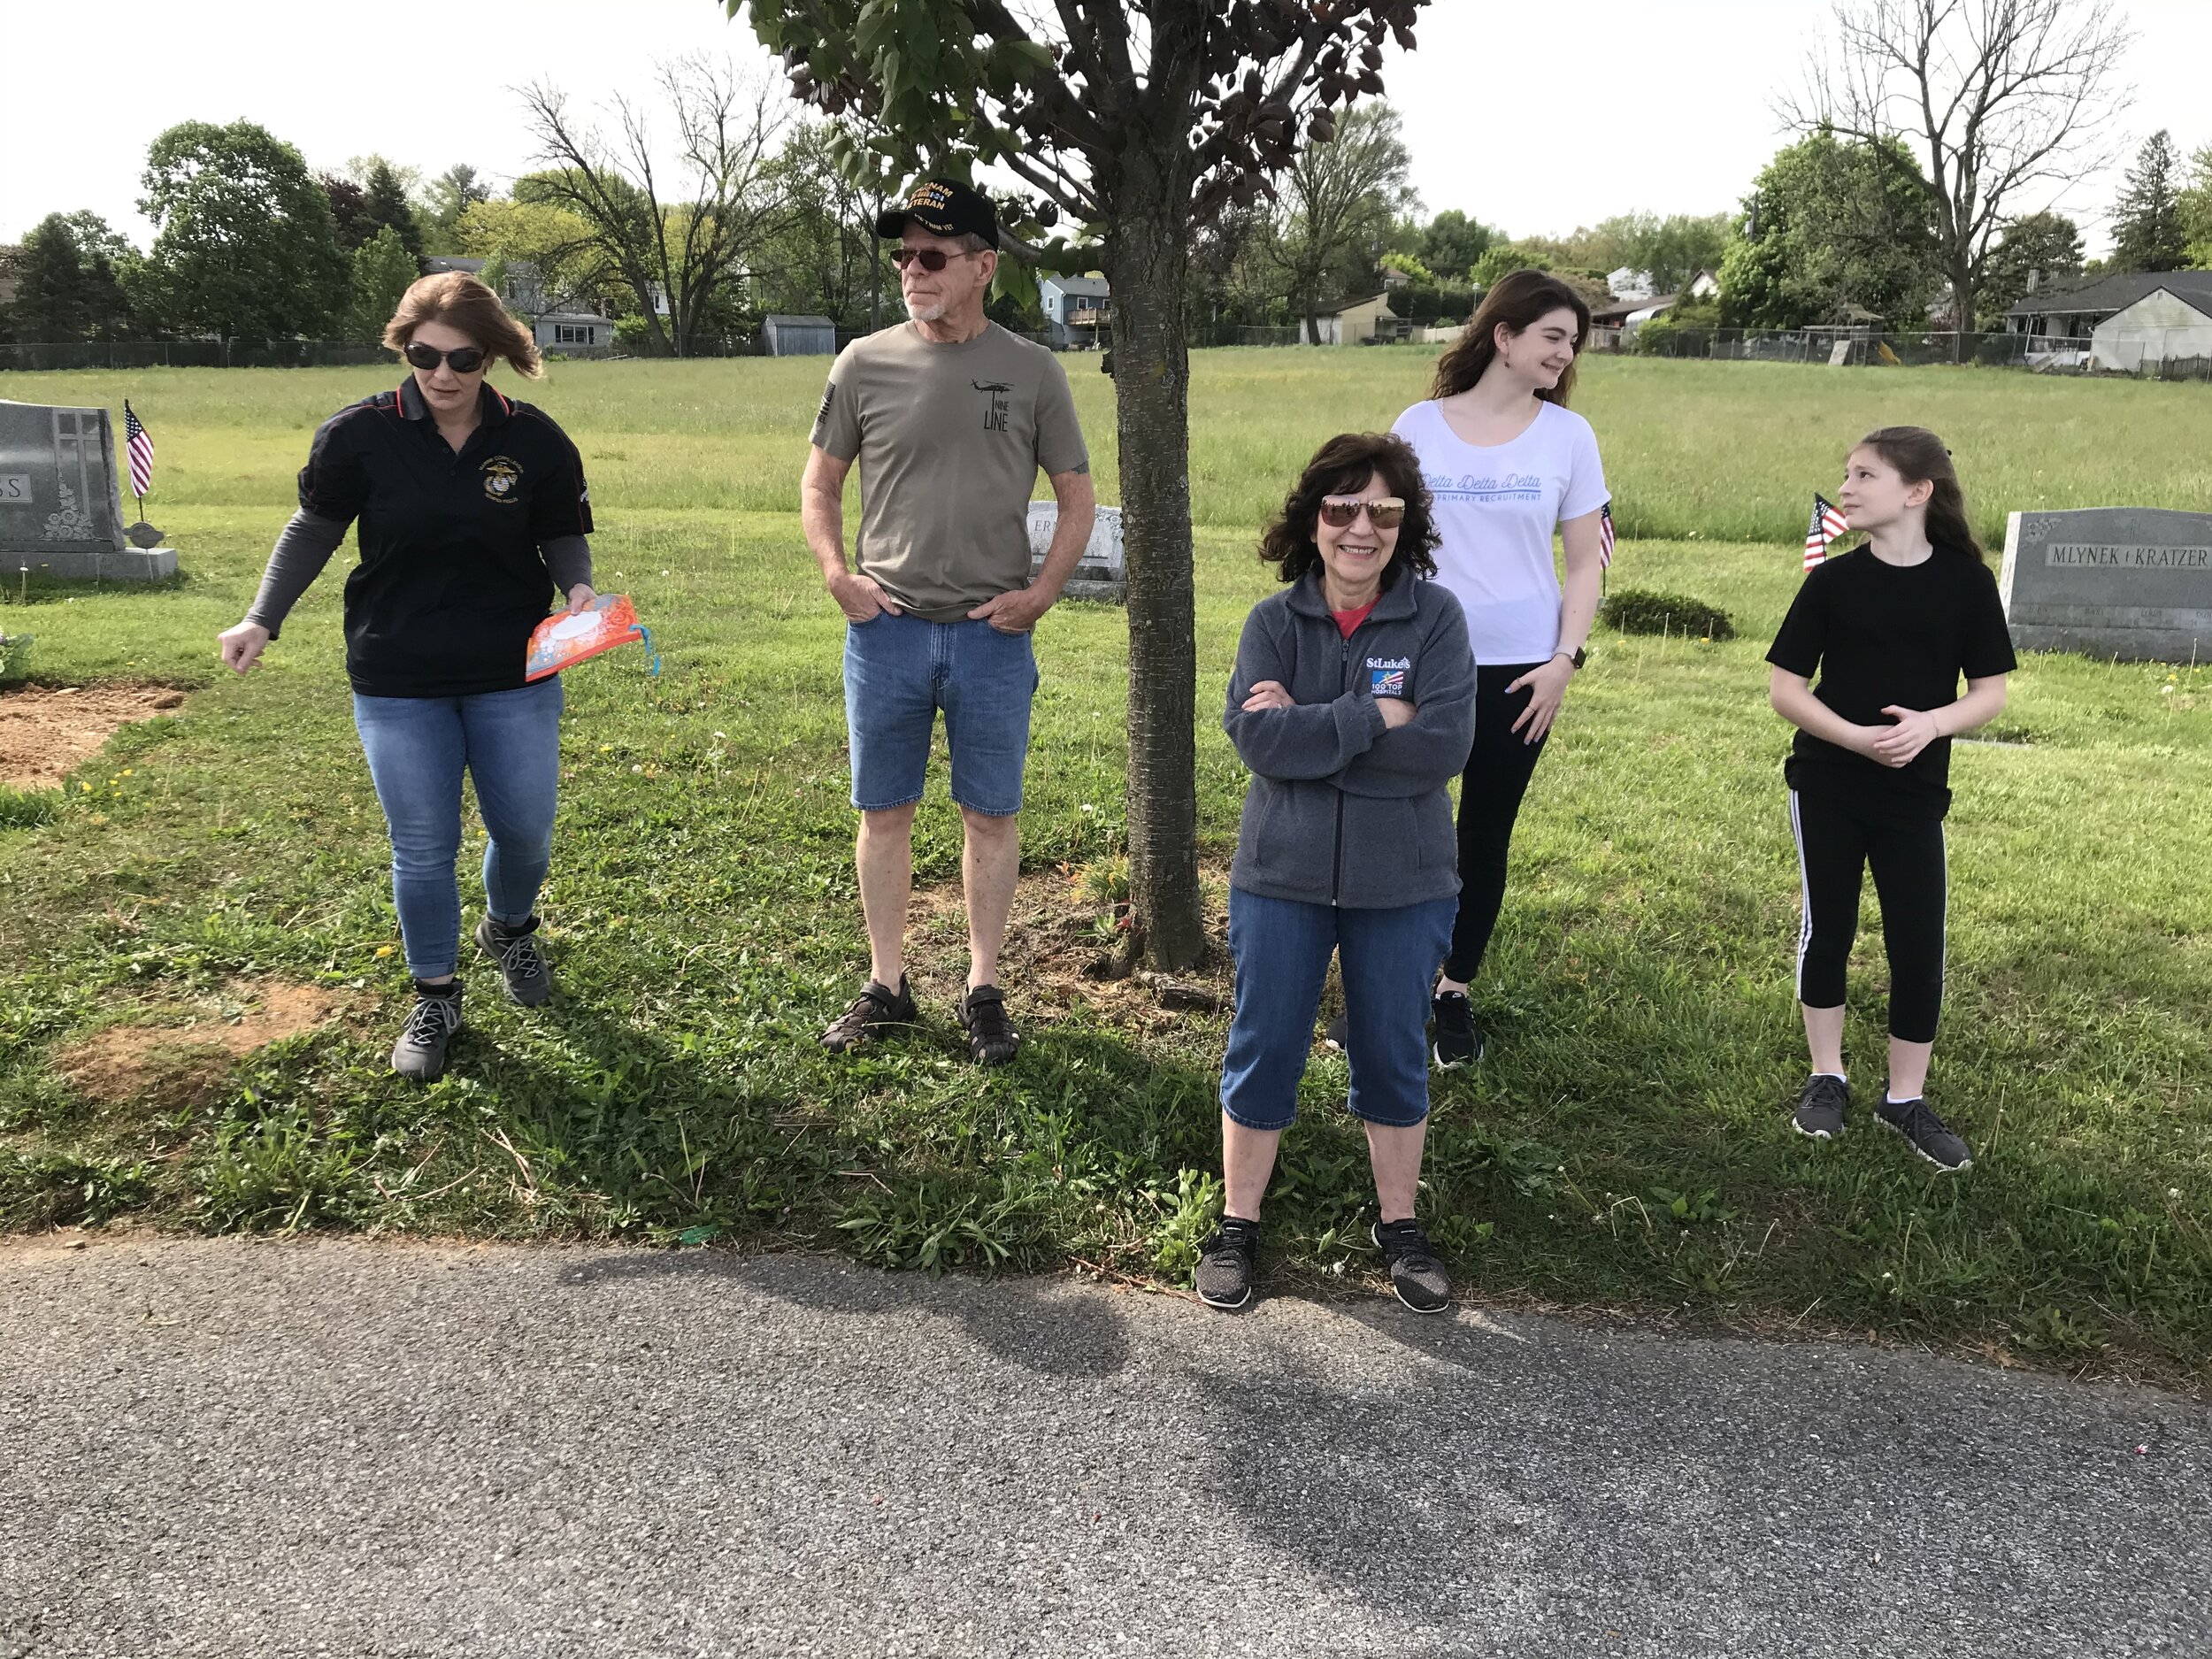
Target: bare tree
676 251
2005 98
1339 198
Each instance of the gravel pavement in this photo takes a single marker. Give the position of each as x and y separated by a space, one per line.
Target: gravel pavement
238 1448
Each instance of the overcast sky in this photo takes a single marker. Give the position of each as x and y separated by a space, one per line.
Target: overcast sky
1629 105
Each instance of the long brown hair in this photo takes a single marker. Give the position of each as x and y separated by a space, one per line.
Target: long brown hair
1917 454
1342 467
466 303
1519 300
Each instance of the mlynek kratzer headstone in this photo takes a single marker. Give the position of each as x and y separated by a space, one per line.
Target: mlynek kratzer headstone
60 514
1101 573
2129 583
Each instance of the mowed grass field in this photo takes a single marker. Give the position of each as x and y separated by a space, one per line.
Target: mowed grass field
1624 1146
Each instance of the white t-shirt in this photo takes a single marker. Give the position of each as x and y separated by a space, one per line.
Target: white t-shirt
1496 509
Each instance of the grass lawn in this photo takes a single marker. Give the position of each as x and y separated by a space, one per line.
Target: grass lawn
1624 1146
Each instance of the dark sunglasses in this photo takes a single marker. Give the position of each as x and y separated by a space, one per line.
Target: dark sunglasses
929 258
1386 514
464 359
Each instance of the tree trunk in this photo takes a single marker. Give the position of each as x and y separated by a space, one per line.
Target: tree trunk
1147 265
1962 304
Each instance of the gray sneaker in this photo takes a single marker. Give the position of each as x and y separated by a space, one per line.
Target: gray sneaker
1912 1119
1415 1272
420 1051
1820 1108
521 964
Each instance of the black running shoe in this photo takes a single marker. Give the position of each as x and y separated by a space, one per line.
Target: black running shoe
1458 1039
1415 1273
869 1015
1228 1264
1820 1108
1912 1119
992 1038
1336 1032
421 1049
521 964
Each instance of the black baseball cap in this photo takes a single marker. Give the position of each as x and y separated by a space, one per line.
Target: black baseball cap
943 207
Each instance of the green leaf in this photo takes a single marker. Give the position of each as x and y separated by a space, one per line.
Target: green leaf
1015 280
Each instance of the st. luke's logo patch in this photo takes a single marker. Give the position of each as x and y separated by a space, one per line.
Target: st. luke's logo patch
502 480
1387 676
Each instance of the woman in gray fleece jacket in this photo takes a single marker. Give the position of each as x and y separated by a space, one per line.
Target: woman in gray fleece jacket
1353 703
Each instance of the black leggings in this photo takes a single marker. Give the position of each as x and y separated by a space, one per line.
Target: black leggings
1836 840
1499 767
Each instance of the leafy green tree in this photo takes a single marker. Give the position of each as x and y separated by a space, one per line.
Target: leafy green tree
2046 245
1451 242
66 284
349 210
246 247
385 203
449 195
383 271
1139 122
2195 206
824 257
2148 230
1833 227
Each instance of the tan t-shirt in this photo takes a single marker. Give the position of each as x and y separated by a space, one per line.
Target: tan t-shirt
949 440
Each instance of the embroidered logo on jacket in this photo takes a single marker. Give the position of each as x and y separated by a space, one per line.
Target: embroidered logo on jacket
1387 676
502 480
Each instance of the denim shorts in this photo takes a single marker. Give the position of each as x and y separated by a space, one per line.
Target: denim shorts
899 671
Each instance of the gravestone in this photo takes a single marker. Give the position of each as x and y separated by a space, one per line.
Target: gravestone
2129 583
1101 573
59 511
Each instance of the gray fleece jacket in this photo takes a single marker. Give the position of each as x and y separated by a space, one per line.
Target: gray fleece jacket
1343 810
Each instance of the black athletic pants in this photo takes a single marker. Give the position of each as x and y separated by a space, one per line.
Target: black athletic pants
1499 767
1837 839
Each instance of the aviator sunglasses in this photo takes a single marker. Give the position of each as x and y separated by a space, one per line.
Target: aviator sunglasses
931 259
1340 513
464 359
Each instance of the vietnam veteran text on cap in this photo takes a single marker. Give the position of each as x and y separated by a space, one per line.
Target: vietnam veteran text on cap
944 207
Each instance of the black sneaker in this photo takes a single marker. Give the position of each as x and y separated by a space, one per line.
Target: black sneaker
1820 1108
420 1051
869 1014
1415 1273
1336 1032
1458 1039
992 1038
521 964
1228 1264
1912 1119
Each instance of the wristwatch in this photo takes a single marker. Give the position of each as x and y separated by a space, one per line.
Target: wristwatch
1577 658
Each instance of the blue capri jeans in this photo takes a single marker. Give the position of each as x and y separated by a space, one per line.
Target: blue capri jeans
1282 949
418 748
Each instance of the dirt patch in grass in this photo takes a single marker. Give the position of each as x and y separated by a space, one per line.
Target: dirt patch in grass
47 731
185 1052
1057 956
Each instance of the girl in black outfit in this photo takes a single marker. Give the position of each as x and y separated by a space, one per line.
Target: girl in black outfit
1890 628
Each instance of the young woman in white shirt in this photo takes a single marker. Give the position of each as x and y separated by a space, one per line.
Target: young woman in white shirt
1507 465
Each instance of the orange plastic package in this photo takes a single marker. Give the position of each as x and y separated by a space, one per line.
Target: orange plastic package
563 640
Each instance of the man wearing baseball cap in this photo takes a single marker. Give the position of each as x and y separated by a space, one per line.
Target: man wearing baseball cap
950 418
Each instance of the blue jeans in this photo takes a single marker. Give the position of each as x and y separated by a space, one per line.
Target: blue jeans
899 671
509 742
1282 949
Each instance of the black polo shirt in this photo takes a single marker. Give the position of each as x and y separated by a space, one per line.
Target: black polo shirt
452 578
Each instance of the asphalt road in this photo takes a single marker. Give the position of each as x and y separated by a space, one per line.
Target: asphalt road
353 1448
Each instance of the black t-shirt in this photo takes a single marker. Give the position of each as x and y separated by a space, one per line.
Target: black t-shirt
451 578
1881 634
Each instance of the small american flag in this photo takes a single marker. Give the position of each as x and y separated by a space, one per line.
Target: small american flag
1827 525
141 451
1605 536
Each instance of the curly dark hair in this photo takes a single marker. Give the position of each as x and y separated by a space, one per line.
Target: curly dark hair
1342 466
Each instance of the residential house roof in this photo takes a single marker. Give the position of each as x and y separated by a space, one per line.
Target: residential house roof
2116 293
1081 286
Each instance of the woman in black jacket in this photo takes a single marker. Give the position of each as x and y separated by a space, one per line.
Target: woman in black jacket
471 511
1353 703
